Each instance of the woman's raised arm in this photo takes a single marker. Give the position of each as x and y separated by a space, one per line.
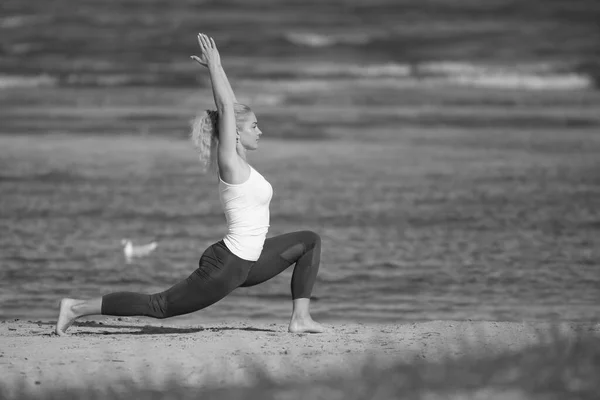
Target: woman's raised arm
202 61
228 84
224 100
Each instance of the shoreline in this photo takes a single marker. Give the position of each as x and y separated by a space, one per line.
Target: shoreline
111 350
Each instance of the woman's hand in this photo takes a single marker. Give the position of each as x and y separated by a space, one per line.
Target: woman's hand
210 55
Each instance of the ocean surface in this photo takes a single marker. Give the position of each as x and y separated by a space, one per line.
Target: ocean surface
481 224
448 152
497 43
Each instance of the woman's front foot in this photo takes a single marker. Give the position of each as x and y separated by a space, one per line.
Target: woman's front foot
305 325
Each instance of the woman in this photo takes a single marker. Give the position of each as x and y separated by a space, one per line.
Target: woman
244 257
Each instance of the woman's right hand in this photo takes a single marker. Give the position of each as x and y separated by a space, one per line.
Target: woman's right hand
210 55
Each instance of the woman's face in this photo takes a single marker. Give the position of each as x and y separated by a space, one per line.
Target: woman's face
249 132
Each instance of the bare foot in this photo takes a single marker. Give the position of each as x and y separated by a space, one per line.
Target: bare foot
66 317
305 325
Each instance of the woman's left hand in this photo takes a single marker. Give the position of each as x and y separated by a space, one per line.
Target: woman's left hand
209 51
200 60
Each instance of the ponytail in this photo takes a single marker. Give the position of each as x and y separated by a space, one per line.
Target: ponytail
205 134
205 137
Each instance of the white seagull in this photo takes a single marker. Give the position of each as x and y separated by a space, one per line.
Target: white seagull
132 251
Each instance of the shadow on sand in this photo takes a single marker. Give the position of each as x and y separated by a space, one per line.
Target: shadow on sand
152 330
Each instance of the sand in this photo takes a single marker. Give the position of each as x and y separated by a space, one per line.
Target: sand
221 353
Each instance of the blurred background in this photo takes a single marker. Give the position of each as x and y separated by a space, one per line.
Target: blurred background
446 150
500 43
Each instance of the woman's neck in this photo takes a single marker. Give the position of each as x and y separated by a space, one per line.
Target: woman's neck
242 153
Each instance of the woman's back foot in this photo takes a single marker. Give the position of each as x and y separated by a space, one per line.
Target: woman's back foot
66 317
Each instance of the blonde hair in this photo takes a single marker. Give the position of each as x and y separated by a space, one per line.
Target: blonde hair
205 133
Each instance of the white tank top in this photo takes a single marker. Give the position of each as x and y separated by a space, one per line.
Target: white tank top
246 207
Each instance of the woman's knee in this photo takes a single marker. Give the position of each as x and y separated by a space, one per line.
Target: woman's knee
311 239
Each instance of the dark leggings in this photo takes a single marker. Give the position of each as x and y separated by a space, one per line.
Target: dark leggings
220 272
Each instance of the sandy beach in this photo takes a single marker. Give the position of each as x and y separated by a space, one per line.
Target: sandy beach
107 350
